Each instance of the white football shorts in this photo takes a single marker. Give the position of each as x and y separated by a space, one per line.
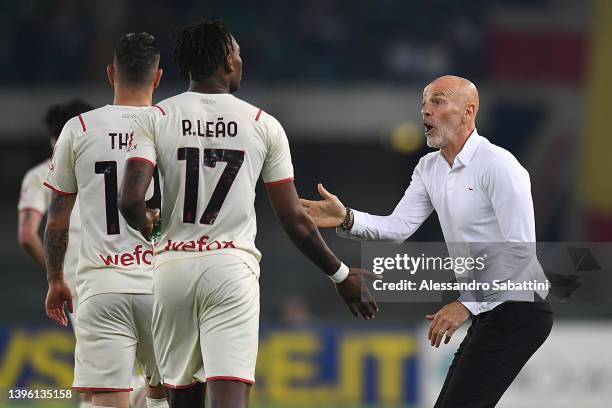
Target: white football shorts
206 320
113 332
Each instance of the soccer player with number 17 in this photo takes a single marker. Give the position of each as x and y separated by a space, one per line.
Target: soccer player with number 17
211 148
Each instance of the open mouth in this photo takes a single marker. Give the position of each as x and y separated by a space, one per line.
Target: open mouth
428 128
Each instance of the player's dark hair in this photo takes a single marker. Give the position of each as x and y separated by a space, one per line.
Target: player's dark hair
57 115
201 48
135 57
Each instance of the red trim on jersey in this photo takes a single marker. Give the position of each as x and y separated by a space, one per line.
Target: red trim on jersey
82 124
60 192
102 389
180 387
258 114
222 377
160 109
142 159
31 209
277 182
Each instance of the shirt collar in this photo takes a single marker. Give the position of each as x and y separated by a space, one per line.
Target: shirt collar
466 154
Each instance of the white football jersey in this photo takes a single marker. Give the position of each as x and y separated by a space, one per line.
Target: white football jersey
210 150
34 196
89 159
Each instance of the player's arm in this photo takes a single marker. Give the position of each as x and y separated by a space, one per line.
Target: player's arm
132 204
139 168
56 243
304 234
33 204
62 182
412 210
29 237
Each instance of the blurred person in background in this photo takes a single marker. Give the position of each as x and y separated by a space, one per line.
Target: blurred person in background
34 201
481 193
209 143
296 312
115 276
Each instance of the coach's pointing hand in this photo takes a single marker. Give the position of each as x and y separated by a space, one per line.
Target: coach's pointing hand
446 321
326 213
351 291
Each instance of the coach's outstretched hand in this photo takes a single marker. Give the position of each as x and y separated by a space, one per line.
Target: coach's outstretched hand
326 213
58 294
352 288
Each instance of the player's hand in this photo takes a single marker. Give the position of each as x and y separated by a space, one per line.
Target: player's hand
326 213
351 290
58 294
446 321
152 219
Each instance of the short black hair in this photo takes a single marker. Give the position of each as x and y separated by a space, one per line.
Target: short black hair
201 48
57 115
135 56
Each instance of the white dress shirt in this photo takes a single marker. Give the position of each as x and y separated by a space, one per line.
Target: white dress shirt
485 196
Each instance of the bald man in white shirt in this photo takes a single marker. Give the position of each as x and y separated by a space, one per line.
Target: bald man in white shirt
481 194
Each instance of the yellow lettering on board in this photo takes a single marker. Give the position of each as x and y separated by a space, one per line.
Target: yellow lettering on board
15 354
388 350
391 352
288 356
45 346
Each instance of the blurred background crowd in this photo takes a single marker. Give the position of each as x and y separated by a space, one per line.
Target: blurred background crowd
345 79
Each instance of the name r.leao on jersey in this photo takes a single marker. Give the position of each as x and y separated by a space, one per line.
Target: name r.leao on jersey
209 128
212 148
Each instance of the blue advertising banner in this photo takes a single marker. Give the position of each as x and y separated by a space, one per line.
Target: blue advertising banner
315 365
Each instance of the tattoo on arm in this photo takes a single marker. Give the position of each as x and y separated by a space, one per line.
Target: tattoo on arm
59 204
56 243
56 234
136 180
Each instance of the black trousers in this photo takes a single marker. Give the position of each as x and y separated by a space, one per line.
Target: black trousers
495 349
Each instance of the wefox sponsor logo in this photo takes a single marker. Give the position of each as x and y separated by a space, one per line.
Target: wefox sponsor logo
136 257
200 245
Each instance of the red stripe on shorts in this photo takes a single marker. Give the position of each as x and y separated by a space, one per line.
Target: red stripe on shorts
102 389
221 377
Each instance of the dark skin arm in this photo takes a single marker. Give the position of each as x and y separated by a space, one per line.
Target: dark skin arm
56 243
136 181
306 237
301 229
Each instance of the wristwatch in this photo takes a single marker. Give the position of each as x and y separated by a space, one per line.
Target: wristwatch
347 224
